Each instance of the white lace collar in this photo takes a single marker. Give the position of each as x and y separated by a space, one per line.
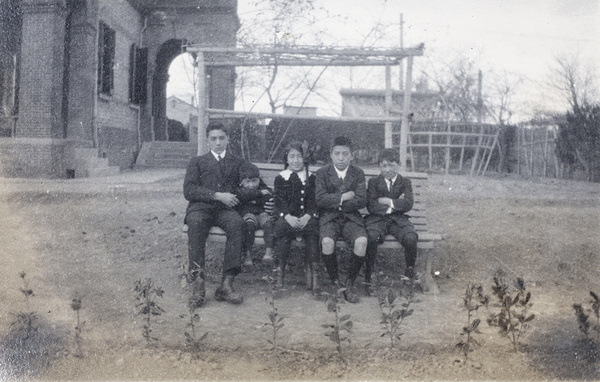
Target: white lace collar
285 174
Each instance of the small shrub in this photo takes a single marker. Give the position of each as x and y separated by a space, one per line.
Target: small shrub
25 322
513 317
391 316
147 292
341 324
583 314
473 300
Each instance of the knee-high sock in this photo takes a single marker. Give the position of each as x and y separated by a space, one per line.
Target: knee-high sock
356 263
331 265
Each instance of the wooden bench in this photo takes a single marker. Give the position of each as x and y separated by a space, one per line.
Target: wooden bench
418 216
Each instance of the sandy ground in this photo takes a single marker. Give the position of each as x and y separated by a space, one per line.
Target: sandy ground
95 237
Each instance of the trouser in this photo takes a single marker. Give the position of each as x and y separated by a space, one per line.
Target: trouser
405 235
199 224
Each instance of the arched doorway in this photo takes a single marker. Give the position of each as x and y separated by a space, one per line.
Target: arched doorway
168 51
182 111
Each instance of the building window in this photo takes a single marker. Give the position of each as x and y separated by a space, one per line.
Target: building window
138 66
106 59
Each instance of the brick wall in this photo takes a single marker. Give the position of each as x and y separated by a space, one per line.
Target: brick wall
32 157
117 119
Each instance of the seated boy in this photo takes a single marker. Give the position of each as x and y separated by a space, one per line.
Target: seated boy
390 197
341 192
253 196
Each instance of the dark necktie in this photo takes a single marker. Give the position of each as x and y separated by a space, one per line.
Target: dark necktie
389 184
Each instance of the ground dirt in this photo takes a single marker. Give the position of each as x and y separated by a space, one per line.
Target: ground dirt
95 237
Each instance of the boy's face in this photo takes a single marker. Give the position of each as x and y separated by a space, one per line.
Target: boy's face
251 183
388 169
217 141
341 156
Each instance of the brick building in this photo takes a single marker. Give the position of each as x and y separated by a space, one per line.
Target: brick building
83 82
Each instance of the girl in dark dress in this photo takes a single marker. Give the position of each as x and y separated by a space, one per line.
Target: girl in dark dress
296 212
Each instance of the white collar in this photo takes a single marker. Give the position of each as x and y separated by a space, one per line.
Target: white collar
285 174
393 179
222 154
341 174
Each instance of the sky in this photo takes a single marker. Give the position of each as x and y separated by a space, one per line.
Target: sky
521 37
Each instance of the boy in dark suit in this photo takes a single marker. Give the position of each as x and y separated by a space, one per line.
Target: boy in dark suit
209 186
341 192
390 197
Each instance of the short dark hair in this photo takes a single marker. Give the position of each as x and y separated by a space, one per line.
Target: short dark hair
342 141
390 155
216 126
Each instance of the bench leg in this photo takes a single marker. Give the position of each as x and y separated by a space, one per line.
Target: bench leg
424 261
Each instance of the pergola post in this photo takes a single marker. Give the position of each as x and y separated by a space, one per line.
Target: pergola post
405 127
202 148
388 142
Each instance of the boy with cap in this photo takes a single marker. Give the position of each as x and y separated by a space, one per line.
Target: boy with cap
341 192
256 199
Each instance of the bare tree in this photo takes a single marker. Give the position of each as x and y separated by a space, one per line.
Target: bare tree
574 80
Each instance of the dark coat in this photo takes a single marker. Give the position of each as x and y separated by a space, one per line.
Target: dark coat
204 177
294 198
252 201
329 189
401 195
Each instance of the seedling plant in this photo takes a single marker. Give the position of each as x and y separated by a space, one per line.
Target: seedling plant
392 316
275 319
26 321
76 307
341 324
147 293
473 300
513 317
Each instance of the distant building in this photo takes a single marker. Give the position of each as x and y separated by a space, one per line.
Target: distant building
83 82
297 110
182 111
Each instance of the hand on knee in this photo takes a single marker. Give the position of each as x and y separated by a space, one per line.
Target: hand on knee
328 245
360 246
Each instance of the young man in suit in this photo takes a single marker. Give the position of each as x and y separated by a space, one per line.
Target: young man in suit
390 197
341 192
209 186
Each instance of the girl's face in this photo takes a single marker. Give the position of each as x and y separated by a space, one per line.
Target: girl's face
295 160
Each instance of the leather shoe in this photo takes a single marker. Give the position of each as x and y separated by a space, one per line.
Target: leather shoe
349 294
225 292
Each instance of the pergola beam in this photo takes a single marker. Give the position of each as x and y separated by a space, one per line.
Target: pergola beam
302 55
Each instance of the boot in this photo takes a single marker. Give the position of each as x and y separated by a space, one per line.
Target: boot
198 290
268 256
280 276
308 273
350 294
316 287
226 292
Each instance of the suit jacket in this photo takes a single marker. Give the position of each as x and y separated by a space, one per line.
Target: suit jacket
329 189
292 197
401 194
205 176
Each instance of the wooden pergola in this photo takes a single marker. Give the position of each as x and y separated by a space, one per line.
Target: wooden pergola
308 56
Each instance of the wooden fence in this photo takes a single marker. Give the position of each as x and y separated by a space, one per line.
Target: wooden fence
535 150
450 146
